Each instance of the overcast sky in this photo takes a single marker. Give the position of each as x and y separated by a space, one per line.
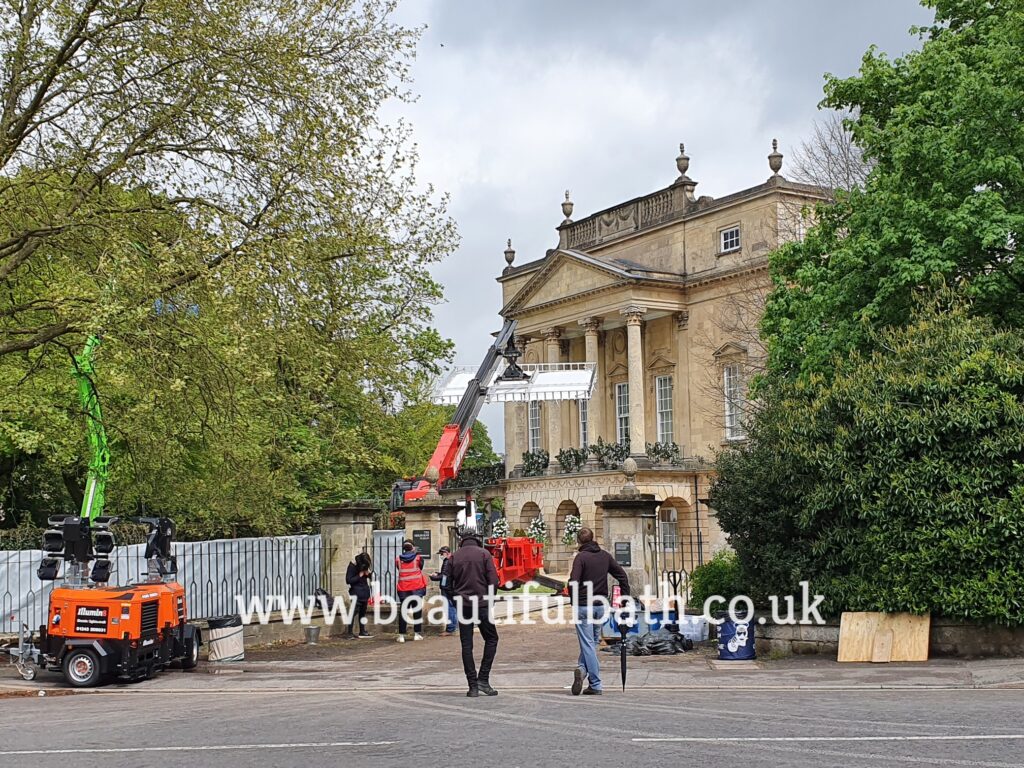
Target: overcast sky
522 99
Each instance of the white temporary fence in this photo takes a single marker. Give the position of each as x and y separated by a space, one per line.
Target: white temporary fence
213 573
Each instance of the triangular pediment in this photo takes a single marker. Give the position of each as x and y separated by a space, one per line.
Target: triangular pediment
731 349
660 361
566 275
618 370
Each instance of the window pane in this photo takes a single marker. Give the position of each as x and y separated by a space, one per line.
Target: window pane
621 412
734 401
584 418
663 392
534 426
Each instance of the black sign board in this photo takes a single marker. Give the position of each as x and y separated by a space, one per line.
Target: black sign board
422 541
91 620
623 556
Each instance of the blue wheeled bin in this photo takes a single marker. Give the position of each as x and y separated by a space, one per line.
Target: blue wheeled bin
610 631
736 639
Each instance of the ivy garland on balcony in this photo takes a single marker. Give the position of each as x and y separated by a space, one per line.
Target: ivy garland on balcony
571 459
535 463
610 455
664 453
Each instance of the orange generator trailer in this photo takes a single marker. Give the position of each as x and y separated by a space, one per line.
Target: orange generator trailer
96 632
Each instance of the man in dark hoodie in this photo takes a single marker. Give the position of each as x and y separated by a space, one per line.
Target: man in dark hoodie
588 585
474 577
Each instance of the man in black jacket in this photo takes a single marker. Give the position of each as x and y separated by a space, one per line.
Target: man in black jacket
474 578
588 585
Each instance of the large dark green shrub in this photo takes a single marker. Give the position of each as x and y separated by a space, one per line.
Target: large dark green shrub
896 486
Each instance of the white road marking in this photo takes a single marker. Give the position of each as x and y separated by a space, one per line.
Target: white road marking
713 739
204 748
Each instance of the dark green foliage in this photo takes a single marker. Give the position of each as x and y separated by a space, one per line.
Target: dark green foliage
718 576
943 127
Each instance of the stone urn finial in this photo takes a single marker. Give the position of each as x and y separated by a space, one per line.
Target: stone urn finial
567 209
775 158
432 476
683 161
629 469
510 255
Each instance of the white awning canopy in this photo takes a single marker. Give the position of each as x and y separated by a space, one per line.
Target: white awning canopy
548 381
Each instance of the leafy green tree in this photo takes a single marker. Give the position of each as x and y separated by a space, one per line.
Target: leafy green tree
897 485
942 127
210 187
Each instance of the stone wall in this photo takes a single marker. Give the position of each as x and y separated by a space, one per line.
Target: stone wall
947 638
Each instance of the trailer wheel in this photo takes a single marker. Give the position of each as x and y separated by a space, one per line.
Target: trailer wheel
191 657
81 668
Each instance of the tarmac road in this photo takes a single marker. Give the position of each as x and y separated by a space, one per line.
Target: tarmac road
845 728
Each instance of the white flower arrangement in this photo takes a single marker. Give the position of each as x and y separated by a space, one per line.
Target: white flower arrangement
538 531
572 527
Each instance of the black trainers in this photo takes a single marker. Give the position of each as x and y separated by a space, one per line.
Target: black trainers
472 693
592 692
577 681
486 690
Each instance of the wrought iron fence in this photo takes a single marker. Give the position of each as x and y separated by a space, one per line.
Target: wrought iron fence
214 574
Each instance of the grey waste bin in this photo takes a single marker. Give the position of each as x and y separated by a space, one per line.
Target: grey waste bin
225 639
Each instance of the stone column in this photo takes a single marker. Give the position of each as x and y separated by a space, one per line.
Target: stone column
637 415
440 518
629 522
681 386
595 409
346 530
552 342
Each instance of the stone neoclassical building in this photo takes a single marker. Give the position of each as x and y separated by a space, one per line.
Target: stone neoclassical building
663 293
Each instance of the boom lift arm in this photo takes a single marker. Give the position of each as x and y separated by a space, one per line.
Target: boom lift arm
457 436
99 459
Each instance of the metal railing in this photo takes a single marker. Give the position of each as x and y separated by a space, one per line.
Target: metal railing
214 574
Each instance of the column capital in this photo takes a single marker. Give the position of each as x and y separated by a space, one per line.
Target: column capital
633 313
553 334
591 324
520 343
682 319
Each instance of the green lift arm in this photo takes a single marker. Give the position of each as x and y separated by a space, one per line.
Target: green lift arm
99 459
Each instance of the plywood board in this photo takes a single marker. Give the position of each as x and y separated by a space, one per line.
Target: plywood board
858 632
881 651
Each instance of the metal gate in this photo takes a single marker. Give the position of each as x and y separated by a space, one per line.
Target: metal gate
387 546
677 552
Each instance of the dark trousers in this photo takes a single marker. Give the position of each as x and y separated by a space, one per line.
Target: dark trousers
490 634
415 602
357 617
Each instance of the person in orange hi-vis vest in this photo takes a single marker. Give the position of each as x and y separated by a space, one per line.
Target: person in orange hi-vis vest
412 588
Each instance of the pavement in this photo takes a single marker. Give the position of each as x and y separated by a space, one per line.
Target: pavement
375 702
